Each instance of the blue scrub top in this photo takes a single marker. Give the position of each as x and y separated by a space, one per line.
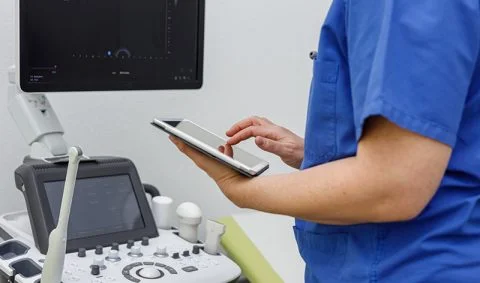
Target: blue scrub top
416 63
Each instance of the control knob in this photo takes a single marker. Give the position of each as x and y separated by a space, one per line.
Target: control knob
115 246
82 252
113 256
95 270
161 251
98 250
196 250
135 251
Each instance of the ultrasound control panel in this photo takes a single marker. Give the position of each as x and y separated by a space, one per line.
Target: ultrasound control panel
166 258
90 45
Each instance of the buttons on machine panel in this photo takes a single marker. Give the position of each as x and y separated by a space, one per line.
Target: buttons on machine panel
190 269
115 246
98 250
145 241
82 252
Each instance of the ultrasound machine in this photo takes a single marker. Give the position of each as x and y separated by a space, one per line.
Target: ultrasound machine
90 218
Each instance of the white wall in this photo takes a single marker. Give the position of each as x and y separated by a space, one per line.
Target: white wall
256 62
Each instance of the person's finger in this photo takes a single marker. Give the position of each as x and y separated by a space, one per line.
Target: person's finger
245 123
253 131
270 145
228 150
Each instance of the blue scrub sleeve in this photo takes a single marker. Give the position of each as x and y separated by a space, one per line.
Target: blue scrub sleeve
422 66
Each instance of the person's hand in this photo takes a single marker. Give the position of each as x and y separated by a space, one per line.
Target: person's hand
227 179
269 137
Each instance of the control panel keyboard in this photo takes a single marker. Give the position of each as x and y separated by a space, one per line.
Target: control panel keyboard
167 258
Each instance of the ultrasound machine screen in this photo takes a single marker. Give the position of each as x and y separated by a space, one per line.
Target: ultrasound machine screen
91 45
101 205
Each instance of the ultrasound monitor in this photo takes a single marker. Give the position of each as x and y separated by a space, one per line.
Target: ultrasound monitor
91 45
109 203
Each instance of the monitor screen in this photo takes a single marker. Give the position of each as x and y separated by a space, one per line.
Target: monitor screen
90 45
101 205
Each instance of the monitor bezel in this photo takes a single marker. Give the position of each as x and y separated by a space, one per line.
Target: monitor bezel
22 71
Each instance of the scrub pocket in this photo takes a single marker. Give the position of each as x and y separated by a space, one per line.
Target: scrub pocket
320 138
324 254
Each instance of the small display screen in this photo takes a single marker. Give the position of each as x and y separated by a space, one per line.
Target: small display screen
214 141
88 45
101 205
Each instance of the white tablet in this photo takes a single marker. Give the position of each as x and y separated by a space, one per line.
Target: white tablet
209 144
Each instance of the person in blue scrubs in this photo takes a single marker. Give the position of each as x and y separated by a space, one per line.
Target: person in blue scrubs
389 185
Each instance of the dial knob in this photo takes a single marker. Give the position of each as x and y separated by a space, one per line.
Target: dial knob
82 252
130 243
113 256
95 270
135 251
115 246
145 241
161 251
196 250
176 256
98 250
186 253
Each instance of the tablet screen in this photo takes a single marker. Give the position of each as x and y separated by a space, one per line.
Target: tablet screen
214 141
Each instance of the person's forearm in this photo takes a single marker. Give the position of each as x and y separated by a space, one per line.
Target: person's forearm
342 192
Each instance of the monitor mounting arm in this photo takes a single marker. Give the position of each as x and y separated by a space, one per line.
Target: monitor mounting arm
36 120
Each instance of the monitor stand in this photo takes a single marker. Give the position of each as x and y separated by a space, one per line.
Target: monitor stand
36 120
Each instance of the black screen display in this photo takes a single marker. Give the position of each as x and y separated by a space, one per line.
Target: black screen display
100 206
88 45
